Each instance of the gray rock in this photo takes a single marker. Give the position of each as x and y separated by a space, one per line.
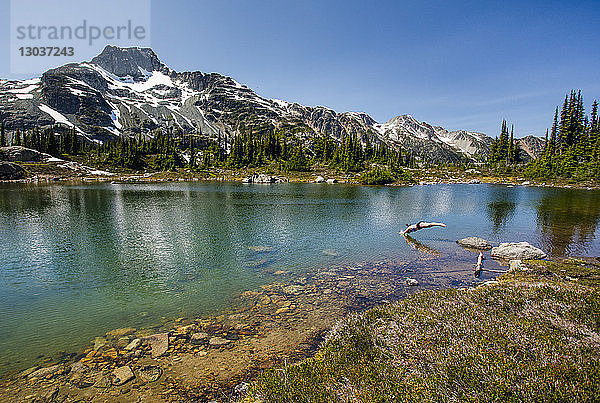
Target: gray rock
21 154
159 343
241 389
518 250
217 342
103 382
319 179
122 375
44 372
82 376
412 282
331 181
474 242
11 171
261 178
133 345
199 338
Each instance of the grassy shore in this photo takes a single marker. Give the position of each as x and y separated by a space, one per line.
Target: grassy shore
80 169
533 336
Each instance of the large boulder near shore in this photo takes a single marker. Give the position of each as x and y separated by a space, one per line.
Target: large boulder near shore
474 242
261 178
518 250
11 171
21 154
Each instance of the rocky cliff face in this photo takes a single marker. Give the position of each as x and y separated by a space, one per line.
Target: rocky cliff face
532 146
124 92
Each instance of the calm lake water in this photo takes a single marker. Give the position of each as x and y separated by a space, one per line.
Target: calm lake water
79 260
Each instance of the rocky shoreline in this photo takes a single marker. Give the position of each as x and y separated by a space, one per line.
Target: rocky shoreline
22 165
214 357
244 177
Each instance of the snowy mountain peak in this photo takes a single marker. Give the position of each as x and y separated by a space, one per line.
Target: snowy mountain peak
130 92
137 63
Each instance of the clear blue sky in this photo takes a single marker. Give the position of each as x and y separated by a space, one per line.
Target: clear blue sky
457 64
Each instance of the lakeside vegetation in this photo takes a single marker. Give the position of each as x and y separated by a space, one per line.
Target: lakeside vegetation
571 148
531 336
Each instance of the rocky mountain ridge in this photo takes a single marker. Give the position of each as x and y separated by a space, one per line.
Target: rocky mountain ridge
129 91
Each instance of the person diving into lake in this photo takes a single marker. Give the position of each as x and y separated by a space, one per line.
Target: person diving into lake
420 225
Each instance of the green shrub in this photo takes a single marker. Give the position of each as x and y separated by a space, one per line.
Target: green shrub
376 176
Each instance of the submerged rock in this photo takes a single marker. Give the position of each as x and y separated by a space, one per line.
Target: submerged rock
149 373
133 345
44 372
82 376
122 375
282 310
517 250
159 343
99 342
118 333
103 382
474 242
293 289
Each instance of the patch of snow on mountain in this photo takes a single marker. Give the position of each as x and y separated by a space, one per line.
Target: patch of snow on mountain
115 115
57 116
24 90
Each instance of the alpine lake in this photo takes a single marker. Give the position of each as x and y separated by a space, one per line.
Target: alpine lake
79 260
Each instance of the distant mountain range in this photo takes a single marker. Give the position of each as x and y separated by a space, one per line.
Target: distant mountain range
128 91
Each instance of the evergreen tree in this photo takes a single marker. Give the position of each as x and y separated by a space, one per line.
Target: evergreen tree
573 147
2 135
